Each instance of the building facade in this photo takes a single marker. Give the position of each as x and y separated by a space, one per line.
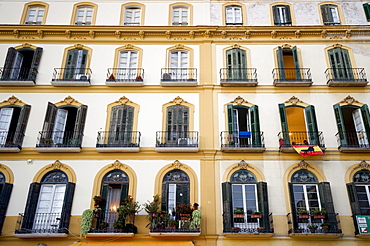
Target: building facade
197 102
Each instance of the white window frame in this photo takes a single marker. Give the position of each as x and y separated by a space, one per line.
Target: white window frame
35 19
244 200
234 15
127 59
86 17
132 16
182 18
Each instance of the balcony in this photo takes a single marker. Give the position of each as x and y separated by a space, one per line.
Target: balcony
11 141
238 76
59 141
242 141
172 141
245 226
346 77
125 77
179 77
71 77
18 76
349 141
40 225
113 141
360 223
287 139
328 227
292 76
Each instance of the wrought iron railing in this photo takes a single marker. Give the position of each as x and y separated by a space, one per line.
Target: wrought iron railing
345 74
177 139
172 223
55 139
351 139
244 223
72 74
40 223
179 74
287 139
291 74
242 139
238 74
10 139
106 222
108 139
329 223
18 74
125 75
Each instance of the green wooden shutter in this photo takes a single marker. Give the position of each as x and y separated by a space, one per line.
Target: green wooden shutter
341 126
69 71
326 14
22 124
255 126
284 124
348 73
67 207
104 195
35 64
288 19
6 191
31 205
292 206
82 67
80 124
366 119
367 11
9 61
124 191
353 199
263 204
49 121
296 63
165 197
227 204
280 59
275 12
230 118
327 203
311 122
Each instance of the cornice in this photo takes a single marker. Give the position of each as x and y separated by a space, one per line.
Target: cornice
63 33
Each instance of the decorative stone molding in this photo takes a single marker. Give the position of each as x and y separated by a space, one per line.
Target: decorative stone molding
191 34
223 34
177 165
68 34
12 101
293 100
118 165
92 34
16 33
238 101
207 34
337 46
273 34
179 46
79 46
324 33
349 101
117 34
303 165
247 34
123 101
69 101
286 46
168 34
243 165
178 101
40 33
142 34
363 165
297 34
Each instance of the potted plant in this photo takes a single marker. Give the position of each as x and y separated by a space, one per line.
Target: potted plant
103 225
256 215
319 214
184 211
172 224
303 214
325 226
238 213
139 78
312 227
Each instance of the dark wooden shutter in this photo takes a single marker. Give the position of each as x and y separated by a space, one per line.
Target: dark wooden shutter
124 192
366 119
296 63
348 73
82 68
31 205
80 123
67 207
6 191
311 122
69 71
255 126
367 11
165 197
227 205
288 19
230 118
280 60
327 203
22 124
184 189
353 199
284 124
292 206
326 14
9 61
275 13
104 195
340 124
263 204
35 64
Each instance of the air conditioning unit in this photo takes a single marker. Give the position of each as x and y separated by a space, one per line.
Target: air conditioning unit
185 141
82 76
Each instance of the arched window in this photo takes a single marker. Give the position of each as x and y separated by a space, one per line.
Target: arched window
282 15
234 15
330 14
359 193
5 192
121 125
34 13
175 190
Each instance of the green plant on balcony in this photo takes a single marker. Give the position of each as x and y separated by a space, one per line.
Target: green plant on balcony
86 221
103 225
312 227
152 207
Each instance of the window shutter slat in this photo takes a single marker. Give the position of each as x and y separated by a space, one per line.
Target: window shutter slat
80 122
227 205
31 205
124 192
4 201
280 60
165 197
67 207
275 13
353 199
327 203
284 124
263 204
255 126
340 124
292 206
366 118
230 118
49 120
288 15
22 124
326 15
311 122
9 61
367 11
35 64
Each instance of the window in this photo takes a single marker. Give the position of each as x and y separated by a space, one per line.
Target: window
75 64
177 124
22 64
180 15
241 197
288 64
359 193
121 125
236 61
179 64
340 64
282 16
132 16
330 14
49 203
35 15
5 192
127 64
234 15
84 15
367 11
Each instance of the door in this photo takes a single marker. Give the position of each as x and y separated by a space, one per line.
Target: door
288 63
127 65
313 134
178 193
49 207
75 64
59 126
17 65
240 125
360 127
179 65
121 124
340 64
236 60
244 198
5 119
306 197
177 125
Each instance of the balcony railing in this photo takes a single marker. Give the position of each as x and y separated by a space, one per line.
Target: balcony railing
10 139
238 76
179 74
40 223
292 75
18 74
302 225
287 139
168 223
72 74
242 139
346 76
104 222
57 139
125 75
108 139
246 224
353 140
175 139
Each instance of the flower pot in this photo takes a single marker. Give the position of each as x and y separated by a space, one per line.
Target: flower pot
319 216
313 230
304 216
256 216
325 228
238 215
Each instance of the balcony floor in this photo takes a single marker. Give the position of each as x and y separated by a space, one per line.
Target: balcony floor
347 83
243 149
16 83
294 83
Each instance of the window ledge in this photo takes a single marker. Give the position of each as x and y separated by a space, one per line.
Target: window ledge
41 235
347 83
10 149
239 83
120 83
249 235
365 236
58 149
243 149
70 83
174 234
354 150
179 83
118 149
294 83
16 83
110 235
177 149
316 235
